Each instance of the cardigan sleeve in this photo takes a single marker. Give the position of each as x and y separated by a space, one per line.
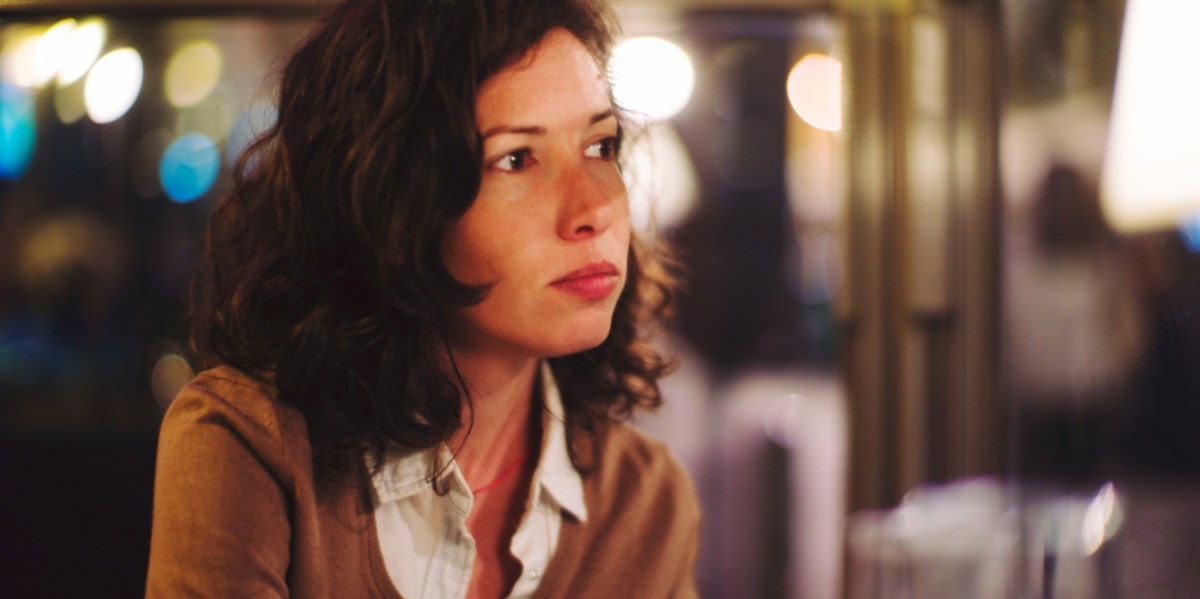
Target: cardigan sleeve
684 586
221 525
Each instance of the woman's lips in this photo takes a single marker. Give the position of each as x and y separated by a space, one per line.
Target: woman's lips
593 282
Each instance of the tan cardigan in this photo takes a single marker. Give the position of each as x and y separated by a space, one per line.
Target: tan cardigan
237 512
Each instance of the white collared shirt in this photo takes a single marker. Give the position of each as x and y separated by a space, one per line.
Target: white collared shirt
426 546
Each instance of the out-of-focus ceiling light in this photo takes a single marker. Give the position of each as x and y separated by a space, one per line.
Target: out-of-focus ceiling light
652 77
814 88
1151 177
113 85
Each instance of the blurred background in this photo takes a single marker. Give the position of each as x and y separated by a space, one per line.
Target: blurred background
941 329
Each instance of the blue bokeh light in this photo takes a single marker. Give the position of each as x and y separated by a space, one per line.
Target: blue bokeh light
1190 229
18 131
189 167
249 125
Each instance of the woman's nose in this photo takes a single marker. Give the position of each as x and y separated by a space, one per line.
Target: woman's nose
588 202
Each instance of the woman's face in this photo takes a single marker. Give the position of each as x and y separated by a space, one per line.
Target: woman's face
549 230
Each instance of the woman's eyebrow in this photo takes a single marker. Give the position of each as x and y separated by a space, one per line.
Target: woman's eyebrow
524 130
600 116
538 130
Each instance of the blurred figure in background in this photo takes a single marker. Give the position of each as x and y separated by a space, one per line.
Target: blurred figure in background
1076 330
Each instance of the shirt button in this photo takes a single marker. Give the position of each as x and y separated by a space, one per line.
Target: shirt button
535 574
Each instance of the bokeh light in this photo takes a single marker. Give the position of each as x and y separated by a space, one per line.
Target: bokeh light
113 85
18 131
192 73
814 88
82 49
1190 229
51 51
189 167
783 421
55 251
213 116
651 77
249 125
1151 176
68 102
171 373
815 266
1102 519
17 57
660 177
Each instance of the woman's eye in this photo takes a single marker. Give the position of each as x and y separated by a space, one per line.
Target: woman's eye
514 161
605 149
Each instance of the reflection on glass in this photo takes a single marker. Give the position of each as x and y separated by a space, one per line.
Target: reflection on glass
1102 519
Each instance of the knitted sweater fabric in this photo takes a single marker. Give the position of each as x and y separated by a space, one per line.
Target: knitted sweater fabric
239 513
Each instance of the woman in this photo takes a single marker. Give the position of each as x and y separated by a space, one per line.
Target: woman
424 307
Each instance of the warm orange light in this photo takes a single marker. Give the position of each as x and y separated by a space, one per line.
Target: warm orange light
814 87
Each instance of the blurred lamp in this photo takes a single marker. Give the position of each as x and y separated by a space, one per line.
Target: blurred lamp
83 48
17 57
113 85
814 88
53 49
1151 177
652 77
660 177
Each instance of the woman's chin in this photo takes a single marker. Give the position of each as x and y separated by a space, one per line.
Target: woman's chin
580 341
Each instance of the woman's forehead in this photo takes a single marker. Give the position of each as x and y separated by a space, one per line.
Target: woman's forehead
556 78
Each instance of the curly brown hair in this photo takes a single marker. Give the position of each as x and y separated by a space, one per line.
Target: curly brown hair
323 272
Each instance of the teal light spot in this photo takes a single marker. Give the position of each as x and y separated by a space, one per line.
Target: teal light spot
252 123
1190 228
18 131
189 167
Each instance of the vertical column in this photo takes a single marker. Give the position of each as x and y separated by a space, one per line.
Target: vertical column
919 313
874 103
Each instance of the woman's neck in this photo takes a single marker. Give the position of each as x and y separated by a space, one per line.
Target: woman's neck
496 452
497 415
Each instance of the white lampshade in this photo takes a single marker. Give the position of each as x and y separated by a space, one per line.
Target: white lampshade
1151 177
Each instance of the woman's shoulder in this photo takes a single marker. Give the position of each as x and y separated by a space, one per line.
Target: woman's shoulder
642 530
632 463
635 448
225 404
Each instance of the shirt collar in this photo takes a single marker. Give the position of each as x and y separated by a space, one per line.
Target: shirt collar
556 474
404 474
